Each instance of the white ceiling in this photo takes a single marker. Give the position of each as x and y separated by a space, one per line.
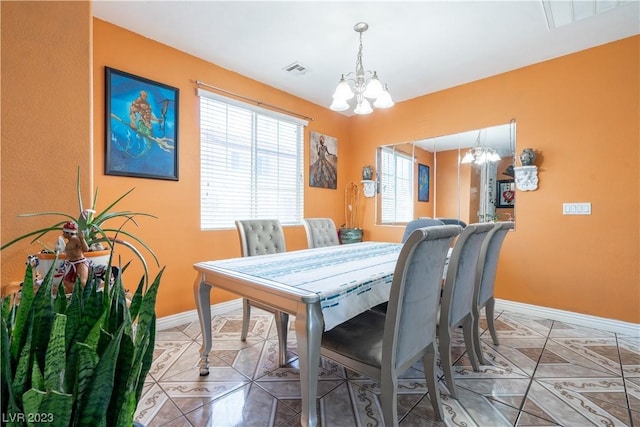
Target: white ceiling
417 47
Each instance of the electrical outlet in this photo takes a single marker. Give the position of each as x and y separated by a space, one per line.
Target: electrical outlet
576 208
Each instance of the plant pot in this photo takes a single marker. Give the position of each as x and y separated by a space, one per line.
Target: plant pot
97 259
350 235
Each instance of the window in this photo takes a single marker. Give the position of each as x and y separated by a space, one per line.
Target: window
251 163
396 179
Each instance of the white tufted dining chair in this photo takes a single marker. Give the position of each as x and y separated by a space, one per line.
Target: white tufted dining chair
320 232
261 237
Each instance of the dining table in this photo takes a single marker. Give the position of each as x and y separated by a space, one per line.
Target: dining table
321 287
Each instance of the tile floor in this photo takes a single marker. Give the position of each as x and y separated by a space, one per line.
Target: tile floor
543 373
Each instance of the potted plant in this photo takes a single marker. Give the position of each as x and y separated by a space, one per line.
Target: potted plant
78 361
93 225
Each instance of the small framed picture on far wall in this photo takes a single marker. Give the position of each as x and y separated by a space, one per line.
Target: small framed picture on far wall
423 183
506 194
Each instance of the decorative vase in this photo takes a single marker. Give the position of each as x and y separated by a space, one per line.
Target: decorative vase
350 235
527 157
367 173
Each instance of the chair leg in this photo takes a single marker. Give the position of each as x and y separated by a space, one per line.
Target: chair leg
429 362
490 320
445 358
389 398
246 317
282 325
467 330
476 336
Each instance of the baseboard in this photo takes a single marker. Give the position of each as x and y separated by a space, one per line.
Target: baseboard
617 326
604 324
192 315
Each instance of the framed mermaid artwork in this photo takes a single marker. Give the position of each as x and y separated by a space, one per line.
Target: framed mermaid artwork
423 183
323 161
141 127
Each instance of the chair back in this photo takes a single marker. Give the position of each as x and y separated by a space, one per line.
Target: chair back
410 324
419 223
457 300
488 261
321 232
260 236
454 221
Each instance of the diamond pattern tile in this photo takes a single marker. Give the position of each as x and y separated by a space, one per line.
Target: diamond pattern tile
543 373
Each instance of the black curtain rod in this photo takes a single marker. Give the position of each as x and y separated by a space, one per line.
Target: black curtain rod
252 100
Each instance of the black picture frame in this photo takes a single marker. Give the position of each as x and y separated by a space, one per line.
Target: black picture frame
505 194
141 127
424 179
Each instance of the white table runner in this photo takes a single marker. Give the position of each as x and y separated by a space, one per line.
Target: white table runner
349 279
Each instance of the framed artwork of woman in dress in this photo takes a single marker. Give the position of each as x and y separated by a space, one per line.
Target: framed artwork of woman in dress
323 161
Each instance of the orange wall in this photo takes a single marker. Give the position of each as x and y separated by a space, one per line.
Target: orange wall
582 112
176 235
46 117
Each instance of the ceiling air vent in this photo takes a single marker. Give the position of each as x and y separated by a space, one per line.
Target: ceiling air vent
296 68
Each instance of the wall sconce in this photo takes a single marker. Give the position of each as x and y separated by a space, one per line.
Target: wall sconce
368 184
526 176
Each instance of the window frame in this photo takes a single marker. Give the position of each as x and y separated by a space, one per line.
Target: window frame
273 140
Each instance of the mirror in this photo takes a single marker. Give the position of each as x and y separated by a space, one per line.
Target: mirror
443 183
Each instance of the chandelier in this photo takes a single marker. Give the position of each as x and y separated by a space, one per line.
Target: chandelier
365 84
480 154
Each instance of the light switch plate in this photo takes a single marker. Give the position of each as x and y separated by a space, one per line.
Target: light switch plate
576 208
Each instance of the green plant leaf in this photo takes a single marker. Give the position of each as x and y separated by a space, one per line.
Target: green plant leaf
93 408
147 358
56 409
86 364
52 408
37 381
148 307
42 317
32 400
17 330
23 369
118 307
55 358
40 232
136 300
8 398
60 304
119 413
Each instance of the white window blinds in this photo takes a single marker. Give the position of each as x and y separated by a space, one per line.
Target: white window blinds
396 180
251 163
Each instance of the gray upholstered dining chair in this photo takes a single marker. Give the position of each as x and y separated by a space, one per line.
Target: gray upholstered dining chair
457 297
454 221
382 346
419 223
320 232
485 282
261 237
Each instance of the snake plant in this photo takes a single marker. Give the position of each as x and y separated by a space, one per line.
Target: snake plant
77 361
